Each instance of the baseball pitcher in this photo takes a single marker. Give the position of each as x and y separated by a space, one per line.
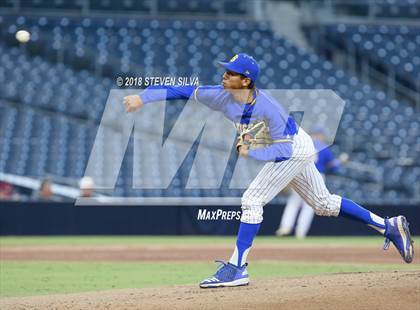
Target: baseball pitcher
267 133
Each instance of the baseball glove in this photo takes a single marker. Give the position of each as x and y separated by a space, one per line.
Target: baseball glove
254 135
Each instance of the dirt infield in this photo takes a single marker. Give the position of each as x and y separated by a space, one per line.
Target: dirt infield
201 253
386 290
380 290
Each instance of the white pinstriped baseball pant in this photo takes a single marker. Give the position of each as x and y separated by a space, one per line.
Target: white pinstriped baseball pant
300 172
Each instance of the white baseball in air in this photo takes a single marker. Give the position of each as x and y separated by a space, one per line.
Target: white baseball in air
23 36
344 158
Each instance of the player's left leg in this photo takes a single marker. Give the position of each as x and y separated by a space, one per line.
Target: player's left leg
310 185
394 229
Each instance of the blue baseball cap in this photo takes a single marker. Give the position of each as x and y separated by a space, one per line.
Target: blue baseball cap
243 64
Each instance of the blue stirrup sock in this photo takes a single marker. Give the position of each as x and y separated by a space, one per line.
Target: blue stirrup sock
352 210
246 235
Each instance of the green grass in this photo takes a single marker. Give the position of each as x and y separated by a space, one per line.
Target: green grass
185 240
39 278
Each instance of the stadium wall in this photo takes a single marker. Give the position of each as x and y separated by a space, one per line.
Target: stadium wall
37 218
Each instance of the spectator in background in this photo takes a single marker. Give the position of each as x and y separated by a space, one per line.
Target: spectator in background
6 191
45 192
86 187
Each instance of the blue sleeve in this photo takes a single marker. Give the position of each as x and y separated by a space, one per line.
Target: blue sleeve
215 97
275 152
162 93
212 96
282 147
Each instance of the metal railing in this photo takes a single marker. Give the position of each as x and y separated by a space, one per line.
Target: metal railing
253 10
349 59
368 9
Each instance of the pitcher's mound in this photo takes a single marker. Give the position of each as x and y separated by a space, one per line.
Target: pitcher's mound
380 290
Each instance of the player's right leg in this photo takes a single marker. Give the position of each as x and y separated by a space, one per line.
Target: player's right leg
290 212
310 185
272 178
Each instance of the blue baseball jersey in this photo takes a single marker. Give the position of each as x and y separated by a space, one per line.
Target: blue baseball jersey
325 161
282 127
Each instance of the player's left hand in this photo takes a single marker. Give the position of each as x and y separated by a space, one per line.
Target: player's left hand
243 150
243 140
